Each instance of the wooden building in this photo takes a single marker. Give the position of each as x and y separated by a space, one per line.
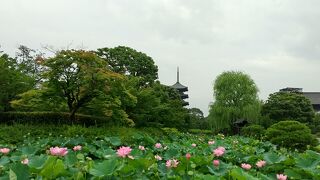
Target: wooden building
314 97
181 89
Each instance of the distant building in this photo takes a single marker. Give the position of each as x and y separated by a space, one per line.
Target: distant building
181 89
315 100
291 89
314 97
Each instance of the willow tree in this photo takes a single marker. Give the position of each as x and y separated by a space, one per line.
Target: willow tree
236 97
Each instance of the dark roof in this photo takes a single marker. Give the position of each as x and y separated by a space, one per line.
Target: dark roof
179 86
291 89
313 96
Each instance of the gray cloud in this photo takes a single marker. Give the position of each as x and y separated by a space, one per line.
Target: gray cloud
275 41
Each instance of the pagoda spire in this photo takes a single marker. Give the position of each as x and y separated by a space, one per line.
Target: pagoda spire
178 74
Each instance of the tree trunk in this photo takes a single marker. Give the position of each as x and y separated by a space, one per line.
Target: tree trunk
73 115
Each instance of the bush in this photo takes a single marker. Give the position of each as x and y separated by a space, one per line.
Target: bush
200 131
254 131
16 133
56 118
282 106
290 134
315 124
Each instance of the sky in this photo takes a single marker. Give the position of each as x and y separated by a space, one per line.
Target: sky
276 42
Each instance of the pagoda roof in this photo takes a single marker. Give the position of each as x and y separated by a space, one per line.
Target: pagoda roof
313 96
179 86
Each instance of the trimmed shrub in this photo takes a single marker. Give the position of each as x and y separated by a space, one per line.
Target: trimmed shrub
254 131
290 134
201 131
15 133
56 118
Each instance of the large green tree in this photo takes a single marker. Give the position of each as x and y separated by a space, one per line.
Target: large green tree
282 106
235 98
12 82
127 61
79 77
157 105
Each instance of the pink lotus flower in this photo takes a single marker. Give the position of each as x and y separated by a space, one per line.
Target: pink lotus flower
123 151
77 148
246 166
142 148
281 177
219 151
4 150
56 151
188 156
193 145
261 163
158 145
25 161
216 162
172 163
159 158
211 142
221 148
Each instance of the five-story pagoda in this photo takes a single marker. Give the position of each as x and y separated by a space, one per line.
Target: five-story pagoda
181 89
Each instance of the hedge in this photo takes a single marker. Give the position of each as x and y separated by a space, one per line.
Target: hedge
57 118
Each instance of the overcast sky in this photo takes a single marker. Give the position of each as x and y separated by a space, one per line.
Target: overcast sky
276 42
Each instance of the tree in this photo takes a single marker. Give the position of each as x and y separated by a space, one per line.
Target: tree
195 118
78 77
235 98
127 61
288 105
29 62
157 105
290 134
39 100
12 82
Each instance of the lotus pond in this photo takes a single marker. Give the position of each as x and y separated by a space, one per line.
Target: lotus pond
177 156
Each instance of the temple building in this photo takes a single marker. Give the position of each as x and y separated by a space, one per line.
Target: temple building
181 89
314 97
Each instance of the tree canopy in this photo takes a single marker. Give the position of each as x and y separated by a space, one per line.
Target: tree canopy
127 61
235 98
78 76
282 106
118 84
12 82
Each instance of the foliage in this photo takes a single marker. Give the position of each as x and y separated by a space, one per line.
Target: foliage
114 104
17 132
235 98
114 83
79 77
290 134
127 61
315 124
200 131
39 100
157 105
285 105
254 131
29 62
98 158
57 118
12 82
196 119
